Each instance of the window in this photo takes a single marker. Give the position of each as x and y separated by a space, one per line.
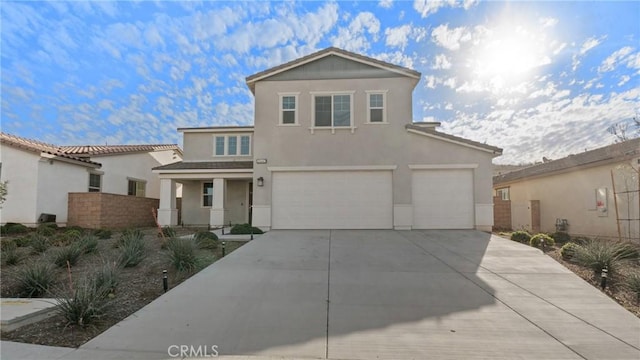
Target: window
332 110
503 193
136 188
232 145
375 104
288 108
95 182
207 194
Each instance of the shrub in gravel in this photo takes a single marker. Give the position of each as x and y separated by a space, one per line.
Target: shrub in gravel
46 230
60 240
7 244
245 229
127 235
13 228
132 249
106 276
521 236
206 240
69 254
85 303
568 251
39 243
88 243
11 256
633 283
561 237
35 279
598 254
543 240
23 241
168 232
73 234
183 254
102 234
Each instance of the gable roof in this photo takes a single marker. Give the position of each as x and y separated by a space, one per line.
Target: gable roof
612 153
92 150
42 147
430 131
328 52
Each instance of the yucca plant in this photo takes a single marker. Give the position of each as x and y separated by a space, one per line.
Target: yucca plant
182 254
132 249
70 254
11 255
106 276
39 243
633 283
206 240
599 254
84 303
35 279
88 243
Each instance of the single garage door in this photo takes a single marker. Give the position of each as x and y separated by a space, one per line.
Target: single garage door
443 199
332 200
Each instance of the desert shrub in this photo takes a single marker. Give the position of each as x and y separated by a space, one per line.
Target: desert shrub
88 243
132 249
7 244
50 225
69 254
13 228
45 229
106 276
85 303
78 228
39 243
11 256
23 241
102 234
521 236
244 229
182 254
561 237
206 240
580 240
73 234
568 251
598 254
128 234
168 232
60 240
541 239
633 284
35 279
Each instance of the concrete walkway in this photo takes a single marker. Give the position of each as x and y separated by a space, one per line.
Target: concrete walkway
345 294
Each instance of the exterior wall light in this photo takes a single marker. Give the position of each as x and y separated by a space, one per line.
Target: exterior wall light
261 181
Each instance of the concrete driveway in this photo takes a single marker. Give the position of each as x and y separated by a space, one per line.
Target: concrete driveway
344 294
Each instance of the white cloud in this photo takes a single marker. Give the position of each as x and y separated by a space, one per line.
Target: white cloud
548 22
624 79
398 36
612 61
428 7
441 62
354 37
590 44
450 38
387 4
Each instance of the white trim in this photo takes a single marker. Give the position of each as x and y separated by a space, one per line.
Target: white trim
226 145
200 176
333 168
443 166
352 125
214 130
384 106
295 111
490 151
320 56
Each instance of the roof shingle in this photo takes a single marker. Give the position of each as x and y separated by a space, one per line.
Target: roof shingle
41 147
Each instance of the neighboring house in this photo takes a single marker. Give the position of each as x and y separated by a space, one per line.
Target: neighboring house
333 147
576 193
40 176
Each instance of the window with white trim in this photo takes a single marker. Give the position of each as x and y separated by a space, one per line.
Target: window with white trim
288 108
136 187
232 145
95 182
332 110
376 112
207 194
503 193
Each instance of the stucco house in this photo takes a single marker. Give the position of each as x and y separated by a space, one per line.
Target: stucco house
575 194
40 176
333 146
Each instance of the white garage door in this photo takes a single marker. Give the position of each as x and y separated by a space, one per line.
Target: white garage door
332 200
443 199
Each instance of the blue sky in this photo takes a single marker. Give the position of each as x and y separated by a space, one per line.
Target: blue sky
535 78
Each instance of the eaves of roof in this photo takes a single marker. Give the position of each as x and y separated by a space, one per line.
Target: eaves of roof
429 131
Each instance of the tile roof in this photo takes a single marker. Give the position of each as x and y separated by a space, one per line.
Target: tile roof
208 165
326 52
616 152
433 132
116 149
41 147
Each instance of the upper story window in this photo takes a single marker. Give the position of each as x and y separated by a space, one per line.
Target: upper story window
232 145
376 111
333 110
95 182
288 108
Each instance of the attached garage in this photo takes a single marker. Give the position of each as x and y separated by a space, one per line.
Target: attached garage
443 199
344 199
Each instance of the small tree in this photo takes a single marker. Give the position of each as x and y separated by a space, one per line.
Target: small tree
625 130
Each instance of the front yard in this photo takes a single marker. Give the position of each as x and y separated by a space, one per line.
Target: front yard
135 283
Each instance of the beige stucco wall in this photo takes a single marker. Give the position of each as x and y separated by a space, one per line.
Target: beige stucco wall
571 196
199 146
193 213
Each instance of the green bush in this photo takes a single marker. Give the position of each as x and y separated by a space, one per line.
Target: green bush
168 232
245 229
132 250
85 304
50 225
206 240
561 237
521 236
102 234
127 235
77 228
23 241
39 243
88 243
60 240
11 256
35 279
106 276
13 228
182 254
7 244
69 254
581 240
541 240
73 234
633 283
568 251
46 230
598 254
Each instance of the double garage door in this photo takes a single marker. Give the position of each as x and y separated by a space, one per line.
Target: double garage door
442 199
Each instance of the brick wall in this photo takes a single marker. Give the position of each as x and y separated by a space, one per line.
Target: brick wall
102 210
501 213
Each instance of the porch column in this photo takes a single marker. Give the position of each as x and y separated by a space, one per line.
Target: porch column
216 215
167 213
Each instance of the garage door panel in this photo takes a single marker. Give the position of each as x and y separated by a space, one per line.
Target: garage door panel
443 199
332 200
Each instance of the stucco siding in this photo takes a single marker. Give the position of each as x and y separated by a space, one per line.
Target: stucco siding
20 169
55 181
332 67
118 169
193 213
199 146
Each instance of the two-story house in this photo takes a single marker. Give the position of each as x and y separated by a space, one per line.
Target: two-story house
333 146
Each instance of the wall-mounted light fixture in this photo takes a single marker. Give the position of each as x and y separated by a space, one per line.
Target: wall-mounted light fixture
260 181
261 161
